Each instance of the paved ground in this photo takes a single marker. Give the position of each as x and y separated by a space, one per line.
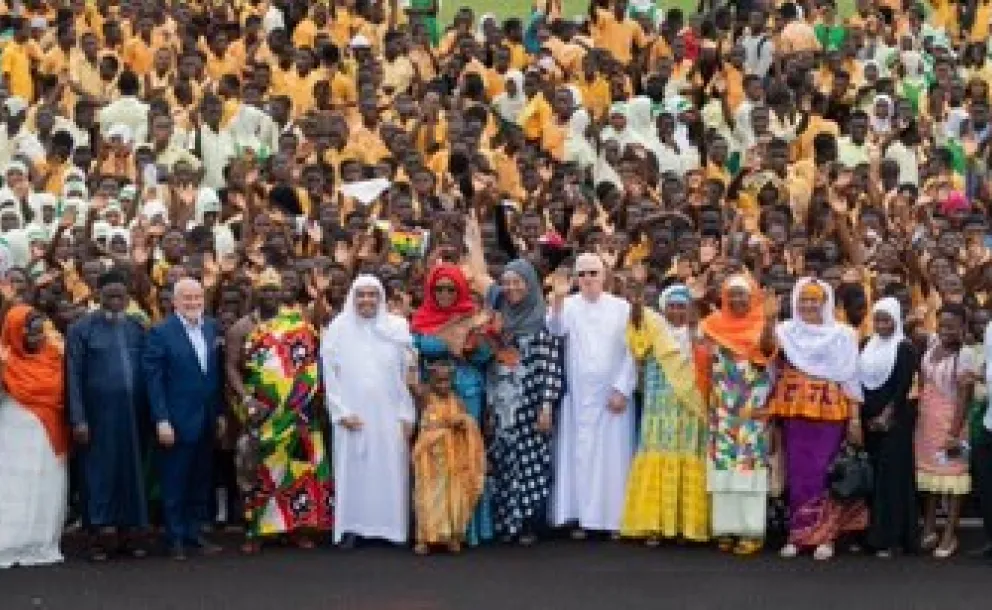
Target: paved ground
557 575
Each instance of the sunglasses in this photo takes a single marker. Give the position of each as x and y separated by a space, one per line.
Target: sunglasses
587 273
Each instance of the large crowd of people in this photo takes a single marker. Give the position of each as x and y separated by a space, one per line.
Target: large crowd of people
330 272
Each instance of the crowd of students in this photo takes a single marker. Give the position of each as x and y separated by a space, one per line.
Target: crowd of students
322 268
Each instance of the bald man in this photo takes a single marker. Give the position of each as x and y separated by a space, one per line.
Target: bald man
182 367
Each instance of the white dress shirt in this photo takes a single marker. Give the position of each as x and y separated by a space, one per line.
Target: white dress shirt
194 330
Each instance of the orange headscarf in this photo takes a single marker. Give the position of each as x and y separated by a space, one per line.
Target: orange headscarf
36 381
740 335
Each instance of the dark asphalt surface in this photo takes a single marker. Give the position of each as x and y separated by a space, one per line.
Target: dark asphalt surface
553 575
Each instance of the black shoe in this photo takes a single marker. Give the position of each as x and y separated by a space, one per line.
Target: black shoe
177 552
348 542
982 553
205 547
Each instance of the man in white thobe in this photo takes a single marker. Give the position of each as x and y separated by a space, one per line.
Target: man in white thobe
366 354
595 441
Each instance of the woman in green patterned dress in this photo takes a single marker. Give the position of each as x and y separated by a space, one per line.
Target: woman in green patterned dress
292 484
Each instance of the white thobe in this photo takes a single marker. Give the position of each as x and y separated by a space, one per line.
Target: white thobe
594 447
367 377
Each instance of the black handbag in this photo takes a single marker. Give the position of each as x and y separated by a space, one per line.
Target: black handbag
851 475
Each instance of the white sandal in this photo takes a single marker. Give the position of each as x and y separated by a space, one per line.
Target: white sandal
788 551
824 552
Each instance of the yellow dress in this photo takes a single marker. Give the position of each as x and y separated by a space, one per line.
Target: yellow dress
666 488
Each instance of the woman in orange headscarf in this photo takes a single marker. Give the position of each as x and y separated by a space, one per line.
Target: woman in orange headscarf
33 442
741 342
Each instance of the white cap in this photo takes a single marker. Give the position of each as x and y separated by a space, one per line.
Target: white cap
360 42
123 132
15 105
15 166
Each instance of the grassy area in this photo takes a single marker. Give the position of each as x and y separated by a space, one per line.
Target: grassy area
520 8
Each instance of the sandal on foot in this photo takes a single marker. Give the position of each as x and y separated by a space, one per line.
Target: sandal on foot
421 549
725 544
748 547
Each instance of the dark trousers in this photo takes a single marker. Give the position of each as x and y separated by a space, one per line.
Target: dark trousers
185 472
981 472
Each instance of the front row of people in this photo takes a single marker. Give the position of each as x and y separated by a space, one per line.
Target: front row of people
592 412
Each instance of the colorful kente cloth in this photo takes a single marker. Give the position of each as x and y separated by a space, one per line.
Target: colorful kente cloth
293 489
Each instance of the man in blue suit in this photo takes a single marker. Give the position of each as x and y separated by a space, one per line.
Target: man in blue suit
182 369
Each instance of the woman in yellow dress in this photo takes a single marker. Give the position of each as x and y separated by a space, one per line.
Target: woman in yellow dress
666 489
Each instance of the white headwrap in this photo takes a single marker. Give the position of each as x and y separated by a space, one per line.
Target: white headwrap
828 350
879 125
878 358
682 335
349 327
507 106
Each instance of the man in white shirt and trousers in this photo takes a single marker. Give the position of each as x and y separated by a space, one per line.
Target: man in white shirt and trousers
595 442
981 454
366 355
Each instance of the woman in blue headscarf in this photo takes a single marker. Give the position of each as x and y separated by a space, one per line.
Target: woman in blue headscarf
666 489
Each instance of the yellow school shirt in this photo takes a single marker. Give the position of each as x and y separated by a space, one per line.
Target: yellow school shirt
138 56
596 96
16 68
536 114
519 59
617 37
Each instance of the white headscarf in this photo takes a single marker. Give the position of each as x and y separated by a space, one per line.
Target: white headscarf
878 125
602 171
682 335
507 106
828 350
878 358
348 326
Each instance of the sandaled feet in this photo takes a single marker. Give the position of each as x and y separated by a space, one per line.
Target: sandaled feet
578 534
725 544
947 549
929 541
652 542
455 547
824 552
788 551
527 540
748 547
422 549
251 547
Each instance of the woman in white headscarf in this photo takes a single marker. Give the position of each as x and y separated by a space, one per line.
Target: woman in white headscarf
886 367
511 102
666 488
816 401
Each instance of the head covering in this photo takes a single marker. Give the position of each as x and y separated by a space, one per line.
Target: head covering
956 201
114 275
36 380
15 166
589 261
828 350
676 293
15 105
878 357
509 106
430 316
121 132
881 125
359 41
527 316
389 327
741 335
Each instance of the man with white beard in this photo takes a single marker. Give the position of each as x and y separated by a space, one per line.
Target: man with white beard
366 354
595 441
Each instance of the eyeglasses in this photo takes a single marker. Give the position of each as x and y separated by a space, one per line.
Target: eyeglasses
587 273
441 288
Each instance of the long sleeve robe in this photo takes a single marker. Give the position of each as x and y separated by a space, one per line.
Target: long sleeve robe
366 376
106 392
594 446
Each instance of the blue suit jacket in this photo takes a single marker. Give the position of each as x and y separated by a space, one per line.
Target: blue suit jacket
179 391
